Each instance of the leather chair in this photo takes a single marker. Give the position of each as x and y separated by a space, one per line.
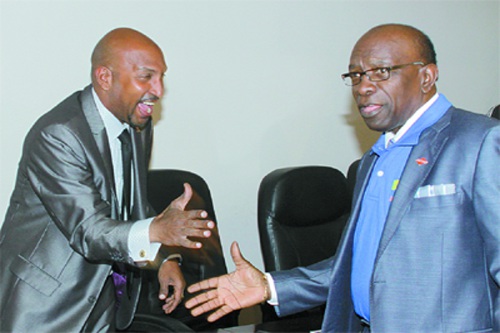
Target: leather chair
301 215
163 187
495 112
351 176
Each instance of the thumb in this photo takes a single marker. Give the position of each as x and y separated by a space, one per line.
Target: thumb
238 258
164 291
182 201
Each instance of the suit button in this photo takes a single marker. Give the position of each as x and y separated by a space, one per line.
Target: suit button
91 299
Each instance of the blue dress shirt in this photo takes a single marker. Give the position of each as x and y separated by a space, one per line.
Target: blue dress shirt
377 198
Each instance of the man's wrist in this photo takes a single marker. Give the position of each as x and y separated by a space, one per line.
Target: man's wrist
174 257
267 292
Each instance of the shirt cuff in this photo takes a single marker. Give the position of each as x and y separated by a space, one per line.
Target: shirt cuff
139 247
272 287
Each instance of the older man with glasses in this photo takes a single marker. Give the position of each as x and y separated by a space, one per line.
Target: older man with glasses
421 251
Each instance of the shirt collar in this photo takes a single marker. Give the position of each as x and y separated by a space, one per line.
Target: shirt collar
391 137
113 126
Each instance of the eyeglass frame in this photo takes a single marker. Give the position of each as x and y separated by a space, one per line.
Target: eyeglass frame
387 68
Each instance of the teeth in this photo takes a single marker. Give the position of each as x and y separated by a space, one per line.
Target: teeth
149 103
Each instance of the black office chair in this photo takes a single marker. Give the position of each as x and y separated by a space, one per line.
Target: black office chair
351 176
301 214
495 112
163 187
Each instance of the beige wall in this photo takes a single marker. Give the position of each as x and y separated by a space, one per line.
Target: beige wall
252 85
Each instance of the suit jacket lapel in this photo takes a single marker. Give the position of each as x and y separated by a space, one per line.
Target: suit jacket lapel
413 176
98 130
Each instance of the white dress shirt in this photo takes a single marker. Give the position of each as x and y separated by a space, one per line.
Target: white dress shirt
139 245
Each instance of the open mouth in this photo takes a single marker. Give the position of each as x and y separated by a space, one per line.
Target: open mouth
146 108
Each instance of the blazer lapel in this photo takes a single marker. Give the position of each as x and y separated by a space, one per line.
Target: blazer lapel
419 164
99 132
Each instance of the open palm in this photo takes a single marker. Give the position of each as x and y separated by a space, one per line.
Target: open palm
242 288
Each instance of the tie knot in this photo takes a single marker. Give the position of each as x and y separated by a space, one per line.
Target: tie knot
125 137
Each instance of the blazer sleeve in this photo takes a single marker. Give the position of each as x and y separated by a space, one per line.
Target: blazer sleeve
302 288
65 174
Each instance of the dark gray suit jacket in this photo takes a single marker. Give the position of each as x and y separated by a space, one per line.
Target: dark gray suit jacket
61 234
438 264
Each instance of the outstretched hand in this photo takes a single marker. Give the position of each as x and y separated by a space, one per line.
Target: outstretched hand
242 288
175 224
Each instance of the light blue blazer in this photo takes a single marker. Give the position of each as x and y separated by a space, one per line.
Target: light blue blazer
438 264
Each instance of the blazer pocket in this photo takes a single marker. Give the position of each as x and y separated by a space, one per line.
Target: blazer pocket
34 276
438 201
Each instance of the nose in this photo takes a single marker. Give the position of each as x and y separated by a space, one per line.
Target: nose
365 87
157 87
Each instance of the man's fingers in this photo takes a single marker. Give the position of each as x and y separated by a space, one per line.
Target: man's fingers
224 310
172 300
165 291
203 305
194 215
203 285
178 293
169 305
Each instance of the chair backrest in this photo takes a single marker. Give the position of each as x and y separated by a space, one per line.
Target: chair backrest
495 112
352 172
164 186
301 214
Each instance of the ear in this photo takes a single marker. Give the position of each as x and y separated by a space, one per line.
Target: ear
103 77
430 74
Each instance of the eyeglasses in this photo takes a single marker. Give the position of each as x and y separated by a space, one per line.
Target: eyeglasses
375 74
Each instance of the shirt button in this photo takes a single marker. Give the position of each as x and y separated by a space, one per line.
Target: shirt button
142 253
380 173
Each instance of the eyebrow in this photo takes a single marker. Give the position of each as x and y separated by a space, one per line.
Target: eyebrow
373 66
151 70
147 69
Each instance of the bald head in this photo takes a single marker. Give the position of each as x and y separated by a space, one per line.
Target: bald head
401 33
109 49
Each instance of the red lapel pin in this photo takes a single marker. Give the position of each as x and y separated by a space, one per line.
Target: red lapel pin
422 161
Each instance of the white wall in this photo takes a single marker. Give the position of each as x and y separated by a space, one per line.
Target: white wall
252 85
